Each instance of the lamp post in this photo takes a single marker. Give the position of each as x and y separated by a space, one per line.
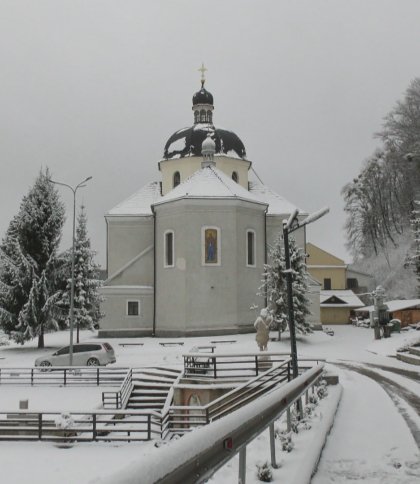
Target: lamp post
290 226
74 190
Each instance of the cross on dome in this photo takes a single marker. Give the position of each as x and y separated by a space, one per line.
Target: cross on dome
202 69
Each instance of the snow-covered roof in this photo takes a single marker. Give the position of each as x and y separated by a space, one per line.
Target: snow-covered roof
277 205
396 305
140 202
209 182
348 298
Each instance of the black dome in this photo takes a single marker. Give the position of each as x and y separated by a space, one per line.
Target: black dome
202 97
188 141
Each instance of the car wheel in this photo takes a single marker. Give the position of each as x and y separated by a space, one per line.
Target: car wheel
45 365
92 362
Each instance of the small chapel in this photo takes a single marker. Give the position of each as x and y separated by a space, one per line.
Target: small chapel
186 253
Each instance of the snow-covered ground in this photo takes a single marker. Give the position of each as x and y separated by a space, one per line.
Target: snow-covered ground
372 440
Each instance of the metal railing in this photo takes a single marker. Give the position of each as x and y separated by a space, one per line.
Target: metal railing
134 425
119 398
228 365
199 454
62 376
180 419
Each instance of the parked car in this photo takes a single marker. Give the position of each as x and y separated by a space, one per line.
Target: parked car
84 354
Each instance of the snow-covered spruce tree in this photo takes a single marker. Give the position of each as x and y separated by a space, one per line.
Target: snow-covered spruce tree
301 302
274 286
28 287
86 279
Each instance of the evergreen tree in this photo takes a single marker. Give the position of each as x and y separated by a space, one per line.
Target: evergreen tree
274 287
28 280
301 302
86 280
413 258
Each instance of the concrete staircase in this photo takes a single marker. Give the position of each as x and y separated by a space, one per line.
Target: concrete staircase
151 387
412 356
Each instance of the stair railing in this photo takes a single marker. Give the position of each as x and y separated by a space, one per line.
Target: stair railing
119 398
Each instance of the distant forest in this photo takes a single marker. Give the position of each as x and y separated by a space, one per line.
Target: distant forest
382 222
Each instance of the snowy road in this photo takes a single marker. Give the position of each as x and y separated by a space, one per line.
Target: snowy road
397 393
375 438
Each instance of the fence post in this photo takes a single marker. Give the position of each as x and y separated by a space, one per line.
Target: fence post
32 377
94 426
289 420
307 397
273 447
39 426
214 368
207 415
256 365
97 376
65 376
149 430
242 466
288 371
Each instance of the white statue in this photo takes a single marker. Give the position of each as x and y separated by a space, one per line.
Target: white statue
262 325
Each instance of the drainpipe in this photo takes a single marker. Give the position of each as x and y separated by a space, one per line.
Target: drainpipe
154 271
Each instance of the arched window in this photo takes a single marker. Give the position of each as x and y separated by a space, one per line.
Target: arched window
235 177
196 116
210 240
250 248
203 116
169 248
177 179
209 117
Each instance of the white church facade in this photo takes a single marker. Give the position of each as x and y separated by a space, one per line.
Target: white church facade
185 255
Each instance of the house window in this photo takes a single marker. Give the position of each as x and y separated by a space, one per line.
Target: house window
177 179
250 248
327 284
133 308
169 249
352 283
235 177
210 246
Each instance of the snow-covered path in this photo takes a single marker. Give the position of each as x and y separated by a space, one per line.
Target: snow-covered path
370 441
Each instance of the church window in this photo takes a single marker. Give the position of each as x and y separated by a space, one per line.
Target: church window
235 177
196 116
211 246
250 248
177 179
133 308
169 248
203 115
209 117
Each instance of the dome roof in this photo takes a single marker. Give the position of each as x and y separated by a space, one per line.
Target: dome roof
202 97
188 142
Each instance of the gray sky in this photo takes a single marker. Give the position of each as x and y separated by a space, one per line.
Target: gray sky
95 87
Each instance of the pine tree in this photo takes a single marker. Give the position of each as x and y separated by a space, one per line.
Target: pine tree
28 281
274 287
86 280
301 302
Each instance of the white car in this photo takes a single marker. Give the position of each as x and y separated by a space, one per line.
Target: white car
84 354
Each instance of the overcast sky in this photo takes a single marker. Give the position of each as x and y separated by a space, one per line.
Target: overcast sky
95 87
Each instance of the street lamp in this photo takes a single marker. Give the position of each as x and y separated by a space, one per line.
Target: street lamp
74 190
290 226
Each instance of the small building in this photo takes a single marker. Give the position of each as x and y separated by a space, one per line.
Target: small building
338 306
406 310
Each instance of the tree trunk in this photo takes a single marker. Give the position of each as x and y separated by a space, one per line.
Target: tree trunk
41 338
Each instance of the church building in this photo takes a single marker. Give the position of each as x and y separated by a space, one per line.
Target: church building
185 254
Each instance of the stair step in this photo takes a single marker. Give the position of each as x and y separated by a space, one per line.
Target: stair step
409 358
148 406
152 386
414 350
148 399
148 377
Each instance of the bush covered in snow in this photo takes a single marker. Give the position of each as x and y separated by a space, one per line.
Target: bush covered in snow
264 472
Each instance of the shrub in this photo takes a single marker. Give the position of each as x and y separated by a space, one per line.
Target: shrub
265 472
